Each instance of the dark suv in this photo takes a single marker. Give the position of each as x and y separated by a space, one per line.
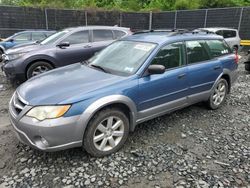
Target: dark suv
65 47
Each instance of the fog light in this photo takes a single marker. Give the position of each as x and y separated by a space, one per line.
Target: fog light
41 142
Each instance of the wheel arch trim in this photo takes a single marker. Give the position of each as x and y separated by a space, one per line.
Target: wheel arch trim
106 101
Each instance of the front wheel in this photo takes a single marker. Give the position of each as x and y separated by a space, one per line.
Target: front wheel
218 95
37 68
106 132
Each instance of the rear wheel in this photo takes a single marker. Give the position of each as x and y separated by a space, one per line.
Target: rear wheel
218 95
37 68
106 132
247 66
1 53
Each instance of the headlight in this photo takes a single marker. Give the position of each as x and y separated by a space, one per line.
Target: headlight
14 56
48 112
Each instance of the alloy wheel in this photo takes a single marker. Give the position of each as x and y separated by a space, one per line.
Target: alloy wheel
108 133
219 94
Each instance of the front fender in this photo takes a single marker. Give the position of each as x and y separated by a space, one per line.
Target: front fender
105 101
31 59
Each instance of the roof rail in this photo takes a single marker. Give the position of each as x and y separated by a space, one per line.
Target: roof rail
159 30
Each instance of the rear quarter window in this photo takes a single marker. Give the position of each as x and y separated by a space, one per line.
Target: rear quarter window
227 33
218 48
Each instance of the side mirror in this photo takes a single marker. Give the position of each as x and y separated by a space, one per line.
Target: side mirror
63 45
156 69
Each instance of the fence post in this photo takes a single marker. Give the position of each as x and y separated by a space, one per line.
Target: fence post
241 12
175 19
86 18
150 20
120 19
205 21
46 19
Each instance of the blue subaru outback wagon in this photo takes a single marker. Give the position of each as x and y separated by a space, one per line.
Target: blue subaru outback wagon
96 103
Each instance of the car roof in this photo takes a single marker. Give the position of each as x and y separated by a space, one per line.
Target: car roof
214 29
96 27
164 37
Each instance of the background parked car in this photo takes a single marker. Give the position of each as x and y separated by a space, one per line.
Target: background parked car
23 37
231 36
65 47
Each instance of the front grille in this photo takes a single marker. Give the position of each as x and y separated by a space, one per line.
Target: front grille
17 104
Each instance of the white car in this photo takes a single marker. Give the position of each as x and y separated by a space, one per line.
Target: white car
231 36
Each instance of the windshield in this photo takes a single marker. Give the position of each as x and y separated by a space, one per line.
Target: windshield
52 38
123 57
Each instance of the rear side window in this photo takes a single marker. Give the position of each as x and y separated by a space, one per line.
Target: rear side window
102 35
196 51
227 33
218 48
119 34
78 37
170 56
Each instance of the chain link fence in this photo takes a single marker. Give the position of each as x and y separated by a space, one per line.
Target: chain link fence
14 19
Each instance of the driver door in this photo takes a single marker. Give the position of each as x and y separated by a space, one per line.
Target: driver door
160 93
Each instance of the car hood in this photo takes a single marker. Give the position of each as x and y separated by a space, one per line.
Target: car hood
66 85
26 48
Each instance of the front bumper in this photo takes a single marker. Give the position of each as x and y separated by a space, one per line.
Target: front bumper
10 71
48 135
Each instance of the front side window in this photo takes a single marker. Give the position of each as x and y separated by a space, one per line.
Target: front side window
123 57
38 36
196 51
170 56
218 48
53 38
119 34
78 37
22 37
102 35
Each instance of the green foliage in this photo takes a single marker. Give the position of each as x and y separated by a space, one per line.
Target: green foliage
129 5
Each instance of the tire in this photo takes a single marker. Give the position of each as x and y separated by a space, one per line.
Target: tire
34 69
247 66
97 128
215 101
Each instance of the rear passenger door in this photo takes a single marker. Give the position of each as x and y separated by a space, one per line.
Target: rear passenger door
163 92
203 69
100 39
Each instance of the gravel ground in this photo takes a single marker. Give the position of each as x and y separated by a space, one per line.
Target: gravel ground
193 147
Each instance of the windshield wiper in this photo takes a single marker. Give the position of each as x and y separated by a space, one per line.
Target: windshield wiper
99 67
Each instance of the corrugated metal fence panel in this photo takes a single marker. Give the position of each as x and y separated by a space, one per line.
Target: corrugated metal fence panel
163 20
190 19
21 18
59 19
135 20
245 24
223 17
103 18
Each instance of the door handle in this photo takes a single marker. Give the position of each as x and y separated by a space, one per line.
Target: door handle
217 67
88 46
181 76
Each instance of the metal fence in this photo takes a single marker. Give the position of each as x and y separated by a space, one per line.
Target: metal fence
14 19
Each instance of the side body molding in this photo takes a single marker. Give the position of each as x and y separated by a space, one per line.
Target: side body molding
105 101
